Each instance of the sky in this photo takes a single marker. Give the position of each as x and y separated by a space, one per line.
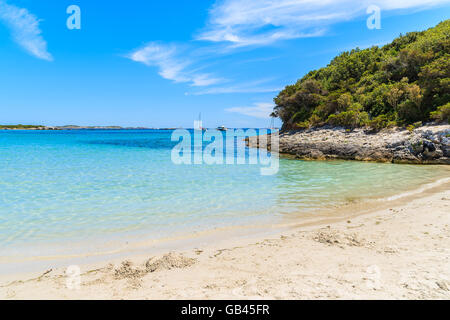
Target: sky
161 63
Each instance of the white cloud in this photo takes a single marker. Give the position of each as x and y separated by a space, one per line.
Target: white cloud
25 30
236 89
205 79
258 110
406 4
171 67
258 86
262 22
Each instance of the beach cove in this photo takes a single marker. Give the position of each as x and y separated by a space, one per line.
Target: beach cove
105 212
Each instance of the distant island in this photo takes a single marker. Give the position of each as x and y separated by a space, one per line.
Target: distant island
404 83
67 127
25 127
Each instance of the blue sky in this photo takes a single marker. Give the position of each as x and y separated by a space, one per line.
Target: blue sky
161 63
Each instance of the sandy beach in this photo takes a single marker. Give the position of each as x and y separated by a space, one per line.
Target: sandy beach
398 250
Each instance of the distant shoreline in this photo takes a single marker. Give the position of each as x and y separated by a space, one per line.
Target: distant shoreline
60 128
73 127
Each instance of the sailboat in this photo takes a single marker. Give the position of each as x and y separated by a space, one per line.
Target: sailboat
198 125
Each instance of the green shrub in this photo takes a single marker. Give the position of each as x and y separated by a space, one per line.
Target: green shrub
315 120
408 112
303 125
354 117
413 126
349 119
300 116
442 114
381 122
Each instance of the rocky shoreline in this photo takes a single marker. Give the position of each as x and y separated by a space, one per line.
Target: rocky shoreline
425 145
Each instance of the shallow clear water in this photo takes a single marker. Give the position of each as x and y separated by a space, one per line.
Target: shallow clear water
79 185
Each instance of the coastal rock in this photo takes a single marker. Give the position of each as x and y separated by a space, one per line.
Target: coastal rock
316 154
425 145
446 151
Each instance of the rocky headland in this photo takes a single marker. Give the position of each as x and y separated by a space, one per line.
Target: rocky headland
425 145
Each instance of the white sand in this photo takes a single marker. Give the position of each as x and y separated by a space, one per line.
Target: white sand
401 251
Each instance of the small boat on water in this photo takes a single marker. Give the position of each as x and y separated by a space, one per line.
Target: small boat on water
198 125
222 128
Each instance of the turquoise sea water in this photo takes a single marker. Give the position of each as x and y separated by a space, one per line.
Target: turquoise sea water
81 185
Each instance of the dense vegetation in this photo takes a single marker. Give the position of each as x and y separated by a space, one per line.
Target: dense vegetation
403 83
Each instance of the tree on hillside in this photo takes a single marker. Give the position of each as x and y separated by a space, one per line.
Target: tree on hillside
403 82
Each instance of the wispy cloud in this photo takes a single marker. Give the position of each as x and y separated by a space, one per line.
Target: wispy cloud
181 66
258 110
171 66
234 24
259 86
25 30
245 23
